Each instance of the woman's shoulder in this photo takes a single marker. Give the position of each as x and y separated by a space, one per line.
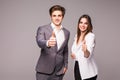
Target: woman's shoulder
90 35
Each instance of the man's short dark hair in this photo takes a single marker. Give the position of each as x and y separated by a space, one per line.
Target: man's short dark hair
55 8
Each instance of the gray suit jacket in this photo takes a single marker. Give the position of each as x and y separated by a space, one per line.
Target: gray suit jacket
50 57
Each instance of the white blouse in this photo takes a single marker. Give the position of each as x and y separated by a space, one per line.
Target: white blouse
87 66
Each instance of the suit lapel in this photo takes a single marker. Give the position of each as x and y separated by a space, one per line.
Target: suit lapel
49 30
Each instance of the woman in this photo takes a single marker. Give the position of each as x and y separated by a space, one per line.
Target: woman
82 50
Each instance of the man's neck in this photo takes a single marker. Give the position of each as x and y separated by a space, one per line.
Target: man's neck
57 27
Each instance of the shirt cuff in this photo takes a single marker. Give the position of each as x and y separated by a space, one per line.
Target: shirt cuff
47 43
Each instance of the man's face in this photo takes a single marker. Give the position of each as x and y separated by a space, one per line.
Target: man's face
57 18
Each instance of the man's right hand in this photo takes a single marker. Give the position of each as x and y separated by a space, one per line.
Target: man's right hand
52 40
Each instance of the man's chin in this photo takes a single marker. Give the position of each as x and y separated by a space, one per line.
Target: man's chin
57 24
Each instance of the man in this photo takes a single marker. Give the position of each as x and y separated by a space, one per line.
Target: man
53 41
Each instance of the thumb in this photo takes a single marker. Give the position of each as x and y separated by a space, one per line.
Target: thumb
84 42
53 34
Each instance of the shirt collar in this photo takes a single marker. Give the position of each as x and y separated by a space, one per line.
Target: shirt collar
53 26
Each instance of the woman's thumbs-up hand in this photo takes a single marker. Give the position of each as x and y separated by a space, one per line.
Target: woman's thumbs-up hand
85 50
84 46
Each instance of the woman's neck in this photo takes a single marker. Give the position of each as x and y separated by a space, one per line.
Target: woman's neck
82 34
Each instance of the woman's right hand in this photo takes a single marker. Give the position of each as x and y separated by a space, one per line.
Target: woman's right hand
73 56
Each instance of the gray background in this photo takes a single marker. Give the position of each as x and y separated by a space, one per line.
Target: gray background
19 20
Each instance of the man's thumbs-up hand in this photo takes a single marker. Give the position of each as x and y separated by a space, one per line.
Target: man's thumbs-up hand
52 40
53 34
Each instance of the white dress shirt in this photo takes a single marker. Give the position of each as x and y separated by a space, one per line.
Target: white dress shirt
60 37
87 66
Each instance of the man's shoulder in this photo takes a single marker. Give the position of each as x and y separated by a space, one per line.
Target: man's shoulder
44 26
66 30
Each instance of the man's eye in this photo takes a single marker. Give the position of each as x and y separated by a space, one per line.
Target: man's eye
54 15
59 15
80 22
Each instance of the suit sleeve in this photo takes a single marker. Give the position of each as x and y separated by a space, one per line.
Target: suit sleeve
40 38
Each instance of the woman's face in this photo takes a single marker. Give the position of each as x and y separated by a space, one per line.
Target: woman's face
83 25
